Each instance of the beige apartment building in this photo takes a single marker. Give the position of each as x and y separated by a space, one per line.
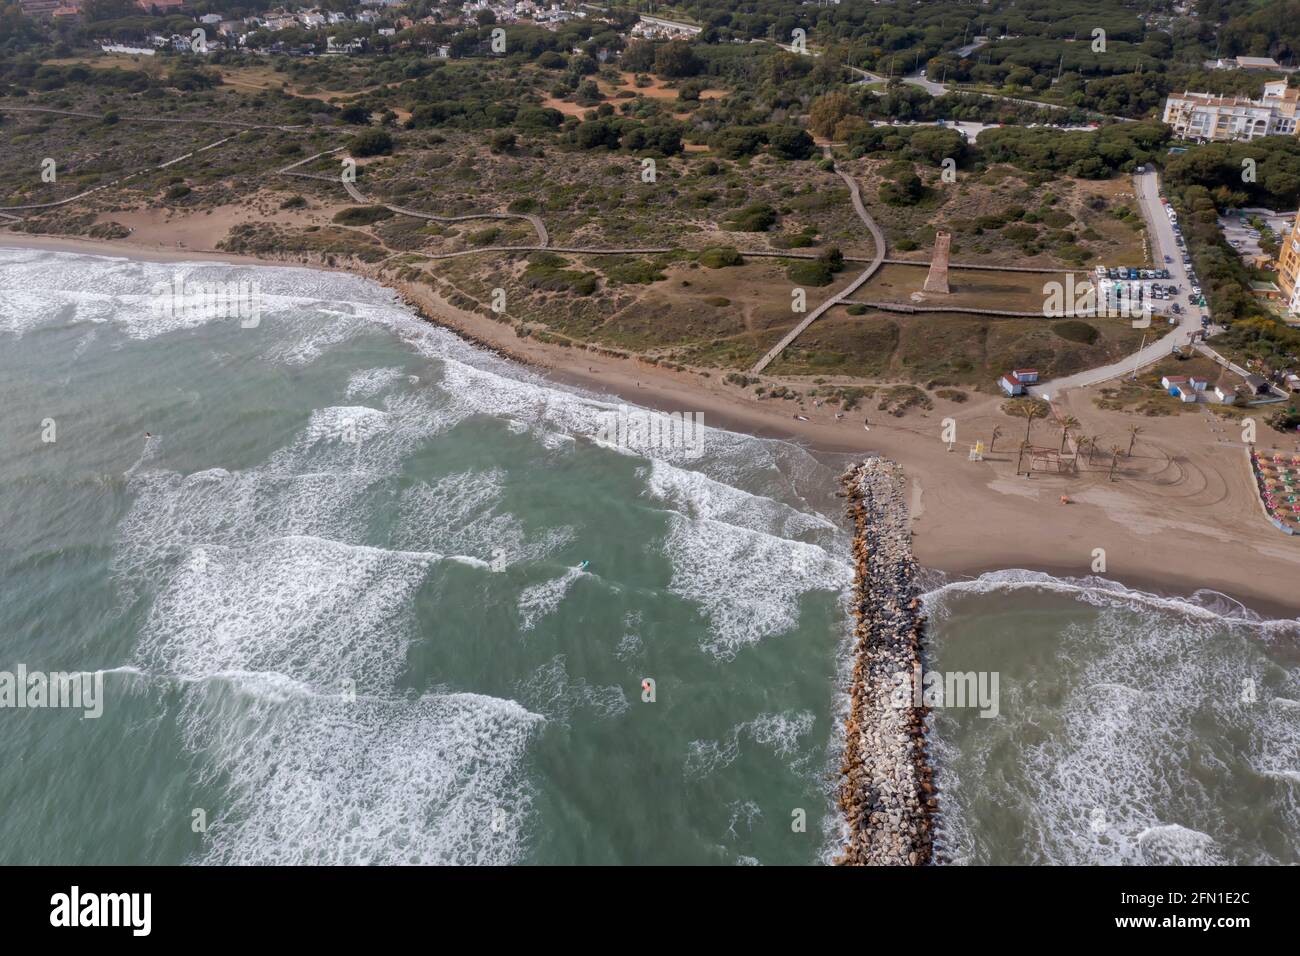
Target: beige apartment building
1288 268
1208 116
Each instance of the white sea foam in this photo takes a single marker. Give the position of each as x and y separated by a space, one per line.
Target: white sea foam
538 600
462 513
748 583
552 692
779 733
367 383
696 495
1203 604
438 780
630 644
1115 761
318 610
1172 845
45 288
743 813
271 591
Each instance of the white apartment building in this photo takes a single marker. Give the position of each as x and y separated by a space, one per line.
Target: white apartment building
1208 116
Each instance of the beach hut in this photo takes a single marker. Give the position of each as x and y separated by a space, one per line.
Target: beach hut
1171 383
1011 384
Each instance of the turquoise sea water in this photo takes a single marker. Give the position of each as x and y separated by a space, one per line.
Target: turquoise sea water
340 598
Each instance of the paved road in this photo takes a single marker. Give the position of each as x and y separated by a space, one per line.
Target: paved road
1161 233
931 87
877 237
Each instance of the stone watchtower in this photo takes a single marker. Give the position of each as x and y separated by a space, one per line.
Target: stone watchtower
937 280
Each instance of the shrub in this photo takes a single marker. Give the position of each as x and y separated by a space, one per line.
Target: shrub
810 272
485 237
362 215
756 217
636 272
790 142
371 142
720 257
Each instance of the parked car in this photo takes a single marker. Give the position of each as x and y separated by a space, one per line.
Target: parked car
1178 309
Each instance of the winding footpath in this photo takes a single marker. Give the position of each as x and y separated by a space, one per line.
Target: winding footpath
6 212
543 238
876 235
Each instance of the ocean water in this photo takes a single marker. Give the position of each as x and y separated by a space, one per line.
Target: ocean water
1131 728
340 600
339 596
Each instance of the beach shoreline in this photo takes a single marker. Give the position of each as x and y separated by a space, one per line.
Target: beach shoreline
1168 536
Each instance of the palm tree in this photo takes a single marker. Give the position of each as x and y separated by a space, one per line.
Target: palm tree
1133 432
1065 424
1080 443
1114 460
1032 411
1021 456
1094 442
997 433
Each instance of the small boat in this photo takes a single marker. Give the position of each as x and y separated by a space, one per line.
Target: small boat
583 565
802 418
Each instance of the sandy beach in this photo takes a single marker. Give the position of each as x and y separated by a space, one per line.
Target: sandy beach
1183 514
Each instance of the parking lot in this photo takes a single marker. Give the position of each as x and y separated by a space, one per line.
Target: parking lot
1244 237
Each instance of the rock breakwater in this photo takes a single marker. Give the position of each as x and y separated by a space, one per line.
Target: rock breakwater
887 793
